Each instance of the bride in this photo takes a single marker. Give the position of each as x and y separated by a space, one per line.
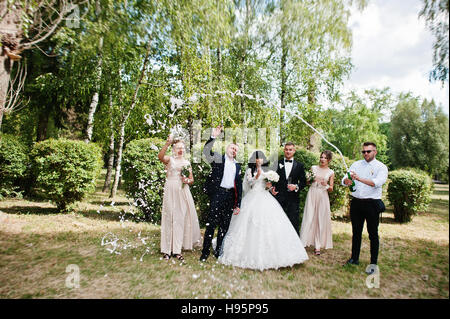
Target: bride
261 235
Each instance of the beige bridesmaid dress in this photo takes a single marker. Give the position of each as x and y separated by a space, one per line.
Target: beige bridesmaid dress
316 223
179 222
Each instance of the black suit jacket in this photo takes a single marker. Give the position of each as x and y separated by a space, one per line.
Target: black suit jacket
214 179
297 176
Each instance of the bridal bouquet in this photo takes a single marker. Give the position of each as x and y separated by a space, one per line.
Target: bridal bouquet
185 172
271 176
310 176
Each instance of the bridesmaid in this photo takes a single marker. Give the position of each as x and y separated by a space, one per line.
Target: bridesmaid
316 222
179 222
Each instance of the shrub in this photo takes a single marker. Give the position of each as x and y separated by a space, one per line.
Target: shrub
144 177
409 191
65 170
200 172
14 164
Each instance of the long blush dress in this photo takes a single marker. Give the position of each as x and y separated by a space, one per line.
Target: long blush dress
179 222
316 223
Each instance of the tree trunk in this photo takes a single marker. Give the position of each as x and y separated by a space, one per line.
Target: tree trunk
119 159
110 166
124 120
10 36
244 57
1 117
284 54
42 125
94 102
314 139
219 66
5 73
283 73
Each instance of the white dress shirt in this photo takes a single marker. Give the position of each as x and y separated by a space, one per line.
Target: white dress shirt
288 167
229 173
374 170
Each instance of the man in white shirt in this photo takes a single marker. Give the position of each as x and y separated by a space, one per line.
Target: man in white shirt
366 204
224 188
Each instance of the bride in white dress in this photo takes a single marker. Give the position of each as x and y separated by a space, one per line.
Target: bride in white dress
261 235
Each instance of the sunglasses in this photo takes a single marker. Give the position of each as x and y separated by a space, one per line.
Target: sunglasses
368 152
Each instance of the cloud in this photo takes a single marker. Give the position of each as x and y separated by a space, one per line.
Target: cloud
392 47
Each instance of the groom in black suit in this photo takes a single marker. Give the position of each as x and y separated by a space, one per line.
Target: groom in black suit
224 188
292 181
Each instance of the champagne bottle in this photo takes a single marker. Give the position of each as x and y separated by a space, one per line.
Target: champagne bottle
351 187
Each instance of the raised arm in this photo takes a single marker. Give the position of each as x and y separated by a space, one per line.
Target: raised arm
162 153
250 179
207 149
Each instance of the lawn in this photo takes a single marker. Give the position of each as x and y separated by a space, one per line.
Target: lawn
119 258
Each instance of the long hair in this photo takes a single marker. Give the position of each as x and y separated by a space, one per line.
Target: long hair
252 161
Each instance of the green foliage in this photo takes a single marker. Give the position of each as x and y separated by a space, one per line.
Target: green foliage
419 136
409 191
436 13
65 170
200 172
144 177
354 125
14 163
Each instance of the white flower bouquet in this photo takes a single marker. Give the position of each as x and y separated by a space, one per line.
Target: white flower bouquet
310 176
271 176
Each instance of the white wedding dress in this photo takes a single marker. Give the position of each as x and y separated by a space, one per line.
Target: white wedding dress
261 235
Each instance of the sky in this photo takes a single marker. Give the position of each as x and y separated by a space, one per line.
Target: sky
393 47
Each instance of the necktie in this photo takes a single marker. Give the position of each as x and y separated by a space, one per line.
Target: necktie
287 161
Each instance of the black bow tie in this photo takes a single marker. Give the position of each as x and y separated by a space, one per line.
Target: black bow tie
287 161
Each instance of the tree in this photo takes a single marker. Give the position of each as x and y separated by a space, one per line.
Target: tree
419 135
355 124
23 25
436 14
309 47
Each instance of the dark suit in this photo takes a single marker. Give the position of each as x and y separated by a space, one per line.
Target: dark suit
222 201
289 200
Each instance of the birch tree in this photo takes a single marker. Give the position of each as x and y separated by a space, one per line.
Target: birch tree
23 25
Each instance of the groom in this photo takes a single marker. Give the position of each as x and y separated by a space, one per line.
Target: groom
292 181
224 189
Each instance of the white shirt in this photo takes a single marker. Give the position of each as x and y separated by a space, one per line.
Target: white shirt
229 173
288 167
374 170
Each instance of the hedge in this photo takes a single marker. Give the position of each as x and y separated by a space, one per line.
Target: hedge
144 177
409 191
65 170
14 166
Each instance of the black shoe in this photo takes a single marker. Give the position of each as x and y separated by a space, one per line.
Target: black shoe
351 262
203 257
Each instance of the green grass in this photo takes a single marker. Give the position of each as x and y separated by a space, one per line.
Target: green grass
37 244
